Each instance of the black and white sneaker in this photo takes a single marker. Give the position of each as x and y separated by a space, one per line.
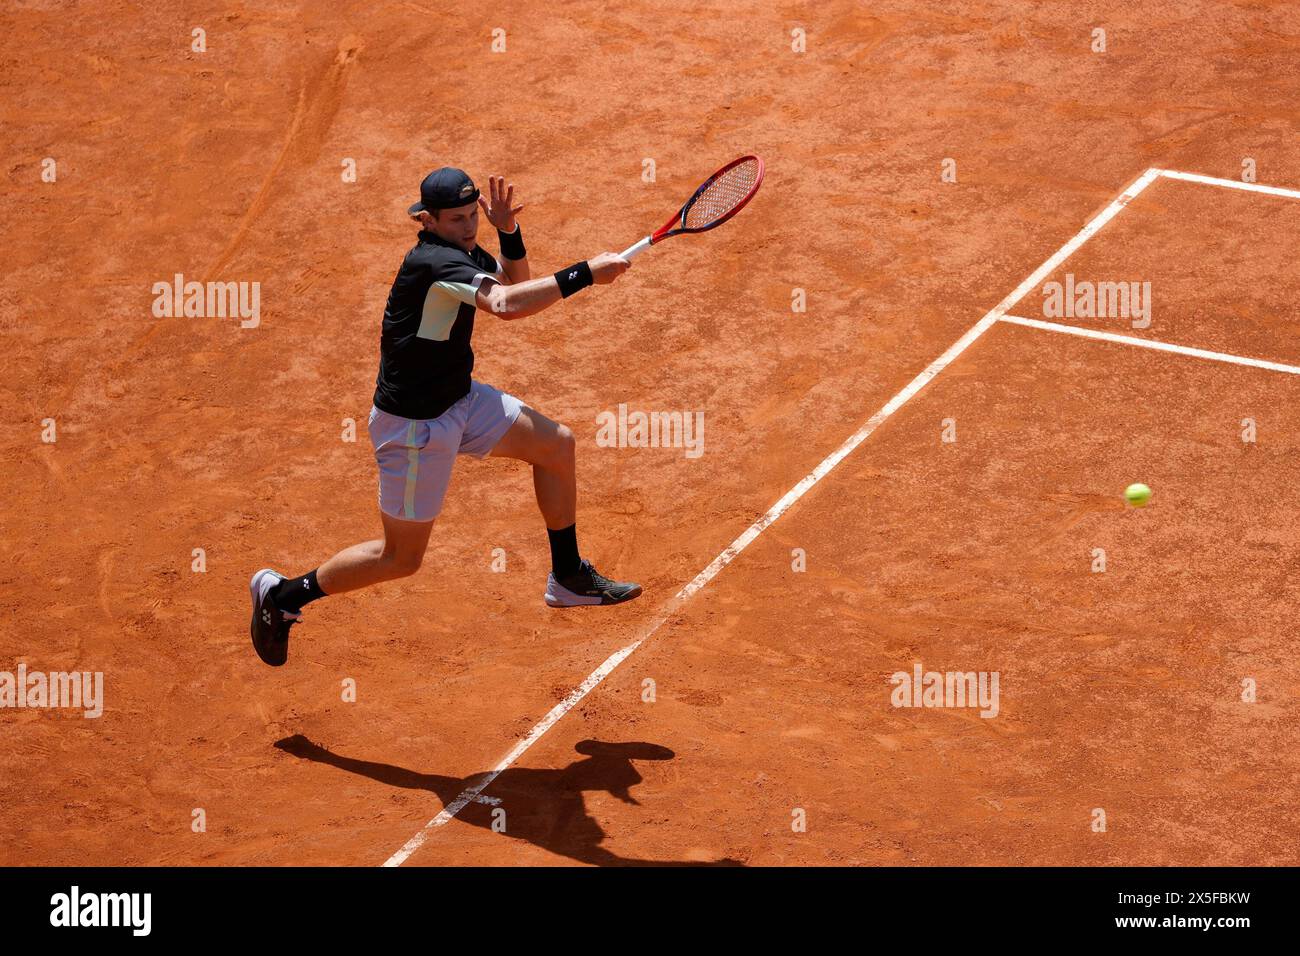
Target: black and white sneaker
270 627
588 586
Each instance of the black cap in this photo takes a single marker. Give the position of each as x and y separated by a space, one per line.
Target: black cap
445 188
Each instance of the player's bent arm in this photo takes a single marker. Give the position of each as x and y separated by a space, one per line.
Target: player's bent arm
521 299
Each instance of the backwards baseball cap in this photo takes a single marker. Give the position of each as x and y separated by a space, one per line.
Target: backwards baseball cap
445 188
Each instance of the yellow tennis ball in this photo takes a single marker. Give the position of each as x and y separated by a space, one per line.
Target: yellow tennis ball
1137 495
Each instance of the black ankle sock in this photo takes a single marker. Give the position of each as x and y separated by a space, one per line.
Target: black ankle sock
293 594
564 551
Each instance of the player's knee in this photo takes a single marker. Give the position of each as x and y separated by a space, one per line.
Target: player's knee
565 448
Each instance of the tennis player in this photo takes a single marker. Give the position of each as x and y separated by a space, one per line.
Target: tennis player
428 409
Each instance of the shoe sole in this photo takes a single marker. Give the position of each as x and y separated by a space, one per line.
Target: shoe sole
568 598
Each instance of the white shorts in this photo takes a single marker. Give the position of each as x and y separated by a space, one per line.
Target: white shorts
415 456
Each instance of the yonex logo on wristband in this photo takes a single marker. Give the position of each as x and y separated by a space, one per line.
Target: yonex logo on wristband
576 277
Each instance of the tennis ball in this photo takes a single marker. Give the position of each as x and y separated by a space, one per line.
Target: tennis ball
1137 495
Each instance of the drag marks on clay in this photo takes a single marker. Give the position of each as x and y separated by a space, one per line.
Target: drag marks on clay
105 566
1082 505
318 103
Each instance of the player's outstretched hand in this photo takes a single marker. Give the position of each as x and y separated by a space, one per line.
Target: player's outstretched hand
501 210
607 267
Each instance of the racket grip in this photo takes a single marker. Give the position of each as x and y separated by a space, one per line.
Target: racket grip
632 250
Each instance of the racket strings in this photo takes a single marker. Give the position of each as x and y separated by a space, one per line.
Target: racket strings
722 195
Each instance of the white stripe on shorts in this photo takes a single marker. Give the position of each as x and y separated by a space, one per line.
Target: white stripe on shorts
413 455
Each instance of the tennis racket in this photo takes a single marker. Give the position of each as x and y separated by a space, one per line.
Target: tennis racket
723 195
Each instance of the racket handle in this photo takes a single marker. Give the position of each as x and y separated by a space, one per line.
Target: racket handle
630 251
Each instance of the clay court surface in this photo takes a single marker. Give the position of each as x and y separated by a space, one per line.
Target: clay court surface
1120 690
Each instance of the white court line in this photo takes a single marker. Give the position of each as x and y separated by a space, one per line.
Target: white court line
1152 344
732 550
1230 184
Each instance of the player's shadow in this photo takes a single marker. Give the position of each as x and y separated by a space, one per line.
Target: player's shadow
545 807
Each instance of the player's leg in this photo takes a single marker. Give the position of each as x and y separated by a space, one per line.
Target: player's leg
415 459
397 554
278 601
551 450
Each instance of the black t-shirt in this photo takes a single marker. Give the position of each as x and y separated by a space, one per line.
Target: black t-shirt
425 360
